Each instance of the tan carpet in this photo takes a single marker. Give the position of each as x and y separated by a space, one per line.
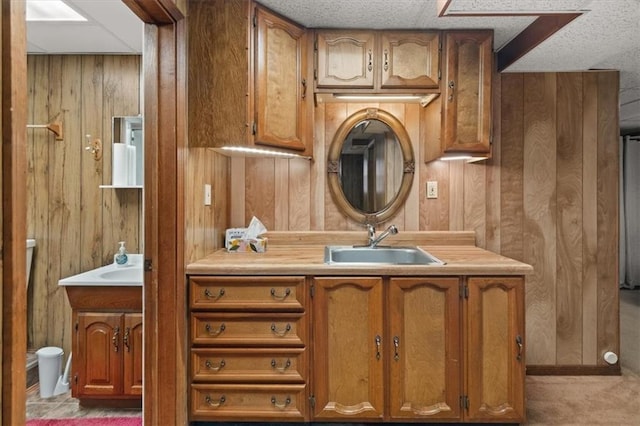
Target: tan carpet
584 400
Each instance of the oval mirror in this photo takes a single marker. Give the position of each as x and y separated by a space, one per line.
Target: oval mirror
370 166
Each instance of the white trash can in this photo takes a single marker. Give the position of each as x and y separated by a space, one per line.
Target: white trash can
49 366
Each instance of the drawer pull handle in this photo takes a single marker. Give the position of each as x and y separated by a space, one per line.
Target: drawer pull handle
378 344
275 331
210 295
452 86
209 401
520 347
280 406
370 62
283 368
386 60
287 293
215 332
396 344
210 366
114 339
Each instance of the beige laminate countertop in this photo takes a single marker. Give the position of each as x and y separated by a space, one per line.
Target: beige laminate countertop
301 259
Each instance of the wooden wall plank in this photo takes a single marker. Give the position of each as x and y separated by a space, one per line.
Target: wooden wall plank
318 171
493 231
539 219
334 115
590 219
299 195
281 193
412 205
475 195
456 195
221 199
608 207
260 191
237 193
569 219
511 166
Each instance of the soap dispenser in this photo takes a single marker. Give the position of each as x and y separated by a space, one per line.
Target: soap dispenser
121 258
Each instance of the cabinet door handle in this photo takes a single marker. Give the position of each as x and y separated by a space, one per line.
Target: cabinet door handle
210 295
215 332
286 294
386 60
304 88
378 345
282 333
210 366
452 86
125 338
520 347
396 345
282 369
209 401
274 401
114 339
370 65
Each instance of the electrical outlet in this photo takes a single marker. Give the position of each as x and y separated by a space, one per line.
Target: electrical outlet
432 189
207 194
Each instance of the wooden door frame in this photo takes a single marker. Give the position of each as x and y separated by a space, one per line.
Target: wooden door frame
164 313
164 109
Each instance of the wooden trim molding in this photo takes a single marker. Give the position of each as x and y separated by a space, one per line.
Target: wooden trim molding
574 370
14 203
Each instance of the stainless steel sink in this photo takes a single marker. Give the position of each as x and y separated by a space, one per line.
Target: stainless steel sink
335 255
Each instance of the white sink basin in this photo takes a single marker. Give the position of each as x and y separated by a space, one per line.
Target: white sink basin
110 275
340 255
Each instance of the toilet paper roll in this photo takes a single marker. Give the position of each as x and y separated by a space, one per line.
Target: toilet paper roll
131 166
119 172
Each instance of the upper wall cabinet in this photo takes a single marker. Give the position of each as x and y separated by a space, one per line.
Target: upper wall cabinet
466 94
376 61
248 78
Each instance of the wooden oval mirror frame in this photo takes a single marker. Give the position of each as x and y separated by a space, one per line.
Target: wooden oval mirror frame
333 166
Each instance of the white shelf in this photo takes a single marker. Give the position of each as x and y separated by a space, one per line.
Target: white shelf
122 186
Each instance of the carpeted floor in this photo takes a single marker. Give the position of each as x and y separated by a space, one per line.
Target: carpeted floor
584 400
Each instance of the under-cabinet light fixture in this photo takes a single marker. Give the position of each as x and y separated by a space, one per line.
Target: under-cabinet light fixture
258 152
424 100
51 10
467 158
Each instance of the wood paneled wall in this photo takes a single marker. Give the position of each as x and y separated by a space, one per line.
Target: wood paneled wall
547 197
75 223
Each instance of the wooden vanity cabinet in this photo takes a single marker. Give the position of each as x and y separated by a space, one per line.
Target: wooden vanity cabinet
433 349
248 348
466 92
376 61
247 78
107 345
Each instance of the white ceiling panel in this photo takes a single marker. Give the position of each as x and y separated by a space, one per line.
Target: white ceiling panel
88 38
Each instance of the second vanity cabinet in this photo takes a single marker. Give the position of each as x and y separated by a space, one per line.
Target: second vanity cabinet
107 345
431 349
374 61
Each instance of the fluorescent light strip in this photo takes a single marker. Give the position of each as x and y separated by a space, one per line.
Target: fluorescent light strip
262 152
51 11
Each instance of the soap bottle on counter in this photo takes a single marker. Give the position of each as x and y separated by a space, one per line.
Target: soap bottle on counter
121 258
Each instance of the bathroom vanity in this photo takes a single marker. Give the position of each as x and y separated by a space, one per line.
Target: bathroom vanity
284 336
107 340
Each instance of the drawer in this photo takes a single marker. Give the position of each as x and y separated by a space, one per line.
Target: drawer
248 365
230 329
248 402
247 293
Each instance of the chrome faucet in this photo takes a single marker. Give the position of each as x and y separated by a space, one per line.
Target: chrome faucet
373 240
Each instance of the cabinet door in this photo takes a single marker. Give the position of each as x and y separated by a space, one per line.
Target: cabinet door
466 118
132 353
424 359
494 358
280 86
97 360
345 59
410 60
348 348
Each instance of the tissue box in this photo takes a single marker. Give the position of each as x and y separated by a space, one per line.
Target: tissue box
238 245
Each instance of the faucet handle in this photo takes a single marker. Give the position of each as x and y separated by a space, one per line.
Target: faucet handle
371 232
